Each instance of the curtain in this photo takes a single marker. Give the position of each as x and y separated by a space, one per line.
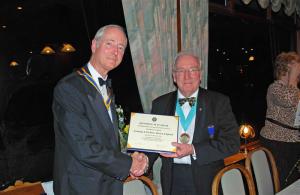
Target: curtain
276 5
289 6
152 31
194 24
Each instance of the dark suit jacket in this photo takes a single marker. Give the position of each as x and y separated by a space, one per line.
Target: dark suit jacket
88 160
212 109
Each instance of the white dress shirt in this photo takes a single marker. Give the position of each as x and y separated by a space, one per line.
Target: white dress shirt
103 90
190 131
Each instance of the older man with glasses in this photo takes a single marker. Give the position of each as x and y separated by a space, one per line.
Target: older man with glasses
207 132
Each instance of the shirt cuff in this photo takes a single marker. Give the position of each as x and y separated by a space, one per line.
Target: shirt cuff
194 153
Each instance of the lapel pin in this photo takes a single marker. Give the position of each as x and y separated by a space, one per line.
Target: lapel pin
211 131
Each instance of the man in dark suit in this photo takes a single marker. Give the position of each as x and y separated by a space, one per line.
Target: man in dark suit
207 133
88 160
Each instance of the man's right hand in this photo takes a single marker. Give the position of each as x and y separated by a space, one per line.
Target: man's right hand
182 150
139 164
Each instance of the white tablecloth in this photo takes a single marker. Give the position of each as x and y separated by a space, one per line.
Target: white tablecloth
293 189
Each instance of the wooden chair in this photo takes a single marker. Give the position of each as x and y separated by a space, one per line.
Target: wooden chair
261 164
137 186
26 188
231 179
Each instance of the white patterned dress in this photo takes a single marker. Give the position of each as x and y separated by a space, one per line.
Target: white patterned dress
282 101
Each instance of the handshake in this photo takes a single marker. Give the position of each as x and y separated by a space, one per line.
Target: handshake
140 164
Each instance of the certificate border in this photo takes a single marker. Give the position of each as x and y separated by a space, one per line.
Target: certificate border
129 148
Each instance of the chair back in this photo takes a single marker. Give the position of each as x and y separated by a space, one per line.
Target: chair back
232 182
138 186
262 166
26 188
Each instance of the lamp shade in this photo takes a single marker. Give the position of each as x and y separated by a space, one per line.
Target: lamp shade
246 131
13 63
67 48
47 50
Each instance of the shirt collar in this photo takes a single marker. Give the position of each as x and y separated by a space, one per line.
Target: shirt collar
95 75
195 94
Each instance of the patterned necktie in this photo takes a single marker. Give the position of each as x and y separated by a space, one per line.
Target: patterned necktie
190 100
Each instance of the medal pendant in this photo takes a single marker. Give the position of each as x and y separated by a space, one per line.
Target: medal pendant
184 138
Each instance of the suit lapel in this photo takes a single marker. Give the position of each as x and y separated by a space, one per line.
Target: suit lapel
170 110
98 106
114 118
171 104
200 115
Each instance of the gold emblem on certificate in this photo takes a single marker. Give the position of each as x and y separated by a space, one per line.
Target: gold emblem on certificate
184 138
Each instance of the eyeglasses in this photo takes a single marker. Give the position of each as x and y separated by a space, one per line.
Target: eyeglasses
190 70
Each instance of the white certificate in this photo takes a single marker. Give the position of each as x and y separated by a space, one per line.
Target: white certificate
152 133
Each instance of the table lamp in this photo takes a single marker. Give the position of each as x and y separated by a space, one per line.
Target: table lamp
246 131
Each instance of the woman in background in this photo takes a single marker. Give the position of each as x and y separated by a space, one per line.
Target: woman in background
279 133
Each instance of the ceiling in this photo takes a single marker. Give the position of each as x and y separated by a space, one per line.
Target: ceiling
52 22
38 23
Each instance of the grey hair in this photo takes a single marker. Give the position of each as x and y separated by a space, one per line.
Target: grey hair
186 53
99 34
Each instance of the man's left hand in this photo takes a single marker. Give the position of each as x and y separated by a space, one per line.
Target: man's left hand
182 150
